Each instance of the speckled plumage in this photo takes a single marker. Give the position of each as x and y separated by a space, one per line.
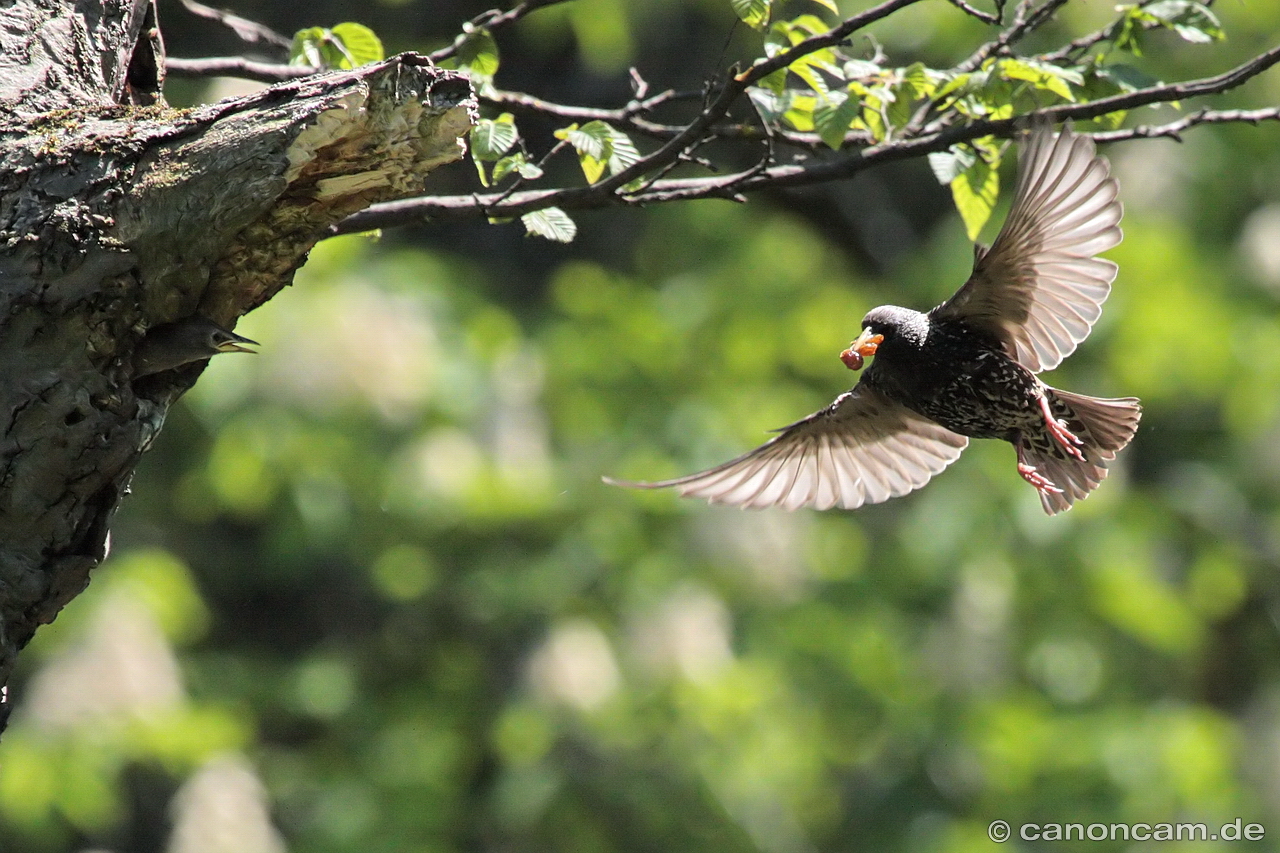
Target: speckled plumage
960 377
967 369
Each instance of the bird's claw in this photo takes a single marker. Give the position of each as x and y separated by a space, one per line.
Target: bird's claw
1058 429
1035 478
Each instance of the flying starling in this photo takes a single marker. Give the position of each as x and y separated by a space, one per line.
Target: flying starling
966 369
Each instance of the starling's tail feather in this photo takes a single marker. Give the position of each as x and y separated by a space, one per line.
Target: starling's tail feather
1109 422
1104 427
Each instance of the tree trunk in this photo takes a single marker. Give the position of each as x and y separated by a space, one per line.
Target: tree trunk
119 214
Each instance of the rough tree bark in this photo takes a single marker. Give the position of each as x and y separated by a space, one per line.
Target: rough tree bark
119 214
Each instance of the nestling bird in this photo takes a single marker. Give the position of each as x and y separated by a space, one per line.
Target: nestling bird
175 344
966 369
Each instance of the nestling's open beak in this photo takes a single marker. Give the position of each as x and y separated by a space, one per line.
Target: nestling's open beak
233 344
865 345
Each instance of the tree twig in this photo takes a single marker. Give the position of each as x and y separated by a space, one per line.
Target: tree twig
985 17
250 32
1026 19
679 141
603 194
693 133
455 208
1174 129
1074 48
832 37
490 20
630 117
236 66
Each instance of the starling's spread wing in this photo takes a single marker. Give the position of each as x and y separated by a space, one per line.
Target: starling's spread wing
863 448
1039 287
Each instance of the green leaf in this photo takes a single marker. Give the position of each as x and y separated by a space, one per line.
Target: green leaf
753 13
517 163
594 144
345 46
1042 75
1126 33
775 82
600 146
800 113
771 105
504 167
624 151
528 171
829 5
812 66
1194 22
958 83
833 116
861 68
810 75
995 97
305 49
873 118
1103 81
1198 35
949 165
975 191
786 34
1125 78
478 54
592 169
804 26
492 138
913 84
592 139
551 223
918 81
363 45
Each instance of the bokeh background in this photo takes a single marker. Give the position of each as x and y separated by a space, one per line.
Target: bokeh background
370 594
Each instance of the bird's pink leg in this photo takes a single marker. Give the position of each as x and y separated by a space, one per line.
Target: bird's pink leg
1058 429
1034 477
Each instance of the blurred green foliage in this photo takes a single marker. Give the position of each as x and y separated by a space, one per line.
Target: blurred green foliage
391 576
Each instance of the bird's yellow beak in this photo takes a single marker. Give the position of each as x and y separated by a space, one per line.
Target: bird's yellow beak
865 345
234 342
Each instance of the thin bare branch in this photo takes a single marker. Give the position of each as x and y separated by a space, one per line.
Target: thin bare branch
491 20
236 66
250 32
446 208
541 163
697 130
675 147
605 193
986 17
1076 48
1174 129
832 37
1171 92
635 108
630 117
1027 18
